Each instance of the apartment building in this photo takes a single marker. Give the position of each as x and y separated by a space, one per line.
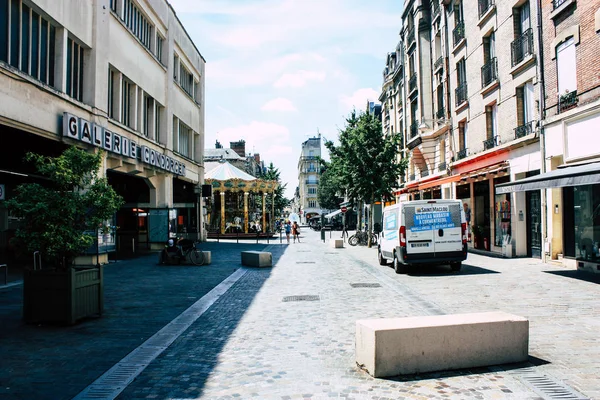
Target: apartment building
570 120
306 203
118 75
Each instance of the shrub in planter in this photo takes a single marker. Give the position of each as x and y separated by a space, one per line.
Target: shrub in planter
58 219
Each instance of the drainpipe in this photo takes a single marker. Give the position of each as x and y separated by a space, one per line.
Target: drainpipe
541 83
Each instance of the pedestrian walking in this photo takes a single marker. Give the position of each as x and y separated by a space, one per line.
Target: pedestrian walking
296 232
288 230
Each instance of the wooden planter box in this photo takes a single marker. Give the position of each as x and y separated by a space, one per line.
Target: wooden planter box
62 297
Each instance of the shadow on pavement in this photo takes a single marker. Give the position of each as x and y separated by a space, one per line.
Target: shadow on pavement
140 297
585 276
444 270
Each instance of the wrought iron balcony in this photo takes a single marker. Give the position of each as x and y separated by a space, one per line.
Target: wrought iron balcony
461 93
440 113
524 129
557 3
424 173
522 47
442 166
489 72
461 154
414 129
311 182
410 36
438 63
435 11
412 177
459 32
484 6
490 143
412 82
567 101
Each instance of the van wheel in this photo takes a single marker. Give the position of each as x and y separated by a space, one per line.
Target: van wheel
398 266
456 266
382 261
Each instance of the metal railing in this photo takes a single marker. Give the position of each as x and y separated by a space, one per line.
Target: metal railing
459 32
557 3
414 129
489 72
410 36
412 82
461 93
310 182
440 113
424 173
461 154
484 6
442 166
567 101
524 130
438 63
522 47
490 143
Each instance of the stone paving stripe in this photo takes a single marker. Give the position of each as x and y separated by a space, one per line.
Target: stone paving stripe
547 386
365 285
116 379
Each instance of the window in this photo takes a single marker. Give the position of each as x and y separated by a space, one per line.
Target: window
126 102
461 80
27 40
186 80
491 119
462 135
137 23
525 110
74 69
111 94
312 190
566 67
175 67
522 46
157 120
159 47
113 5
312 203
184 140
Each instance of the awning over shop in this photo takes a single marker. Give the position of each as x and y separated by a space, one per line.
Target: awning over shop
587 174
332 214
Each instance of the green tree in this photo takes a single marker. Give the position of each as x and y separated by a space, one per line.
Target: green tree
61 218
366 162
329 188
273 174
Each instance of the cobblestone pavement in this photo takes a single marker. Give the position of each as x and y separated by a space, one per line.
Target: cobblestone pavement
252 344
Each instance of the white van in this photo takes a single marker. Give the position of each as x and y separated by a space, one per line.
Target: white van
423 232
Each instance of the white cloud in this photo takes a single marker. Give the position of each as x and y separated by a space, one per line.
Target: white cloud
299 78
278 104
359 98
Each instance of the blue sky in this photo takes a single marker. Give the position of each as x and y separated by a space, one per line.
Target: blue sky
279 70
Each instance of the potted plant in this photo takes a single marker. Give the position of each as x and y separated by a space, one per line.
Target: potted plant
60 218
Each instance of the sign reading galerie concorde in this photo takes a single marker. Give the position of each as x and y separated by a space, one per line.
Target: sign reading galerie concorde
87 132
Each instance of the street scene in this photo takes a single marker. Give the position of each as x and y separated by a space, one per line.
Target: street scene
249 342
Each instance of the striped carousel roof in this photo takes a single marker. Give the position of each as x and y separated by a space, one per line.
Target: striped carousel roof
225 171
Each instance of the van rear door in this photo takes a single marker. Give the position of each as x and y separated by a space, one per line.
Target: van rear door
447 228
390 239
419 230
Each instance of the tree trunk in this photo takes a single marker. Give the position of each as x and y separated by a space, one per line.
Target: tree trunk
358 214
370 226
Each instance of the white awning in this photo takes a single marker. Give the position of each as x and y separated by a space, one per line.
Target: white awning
333 214
586 174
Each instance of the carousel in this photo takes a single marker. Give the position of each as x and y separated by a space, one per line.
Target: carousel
238 205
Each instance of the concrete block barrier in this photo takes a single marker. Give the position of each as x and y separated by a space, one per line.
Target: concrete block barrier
337 243
399 346
207 257
257 259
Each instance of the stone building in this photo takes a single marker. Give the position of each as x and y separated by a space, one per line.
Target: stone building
309 170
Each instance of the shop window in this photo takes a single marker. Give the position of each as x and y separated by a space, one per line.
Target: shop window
586 205
502 216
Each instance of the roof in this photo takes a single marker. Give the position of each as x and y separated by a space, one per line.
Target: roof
225 171
224 153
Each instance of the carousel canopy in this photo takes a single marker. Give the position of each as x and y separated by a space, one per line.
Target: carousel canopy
225 171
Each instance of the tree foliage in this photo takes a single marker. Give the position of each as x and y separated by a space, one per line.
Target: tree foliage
273 174
61 218
328 192
366 162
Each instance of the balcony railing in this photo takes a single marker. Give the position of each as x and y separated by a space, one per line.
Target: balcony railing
461 93
567 101
424 173
412 82
440 113
484 6
435 11
489 72
557 3
310 182
442 166
410 36
414 129
438 63
412 177
461 154
522 47
524 130
459 33
490 143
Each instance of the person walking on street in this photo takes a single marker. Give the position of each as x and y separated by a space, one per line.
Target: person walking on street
288 230
296 232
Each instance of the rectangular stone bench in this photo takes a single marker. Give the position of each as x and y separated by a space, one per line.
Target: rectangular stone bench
398 346
336 243
257 259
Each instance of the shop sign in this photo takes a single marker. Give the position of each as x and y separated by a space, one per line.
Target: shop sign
87 132
429 218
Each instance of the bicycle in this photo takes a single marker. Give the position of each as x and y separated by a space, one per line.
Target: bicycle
186 250
362 238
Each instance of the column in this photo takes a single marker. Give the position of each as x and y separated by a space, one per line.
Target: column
272 224
222 212
264 220
246 212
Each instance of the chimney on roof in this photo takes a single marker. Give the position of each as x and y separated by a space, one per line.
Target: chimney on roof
218 145
239 147
257 158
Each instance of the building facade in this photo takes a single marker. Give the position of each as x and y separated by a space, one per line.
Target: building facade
118 75
309 170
